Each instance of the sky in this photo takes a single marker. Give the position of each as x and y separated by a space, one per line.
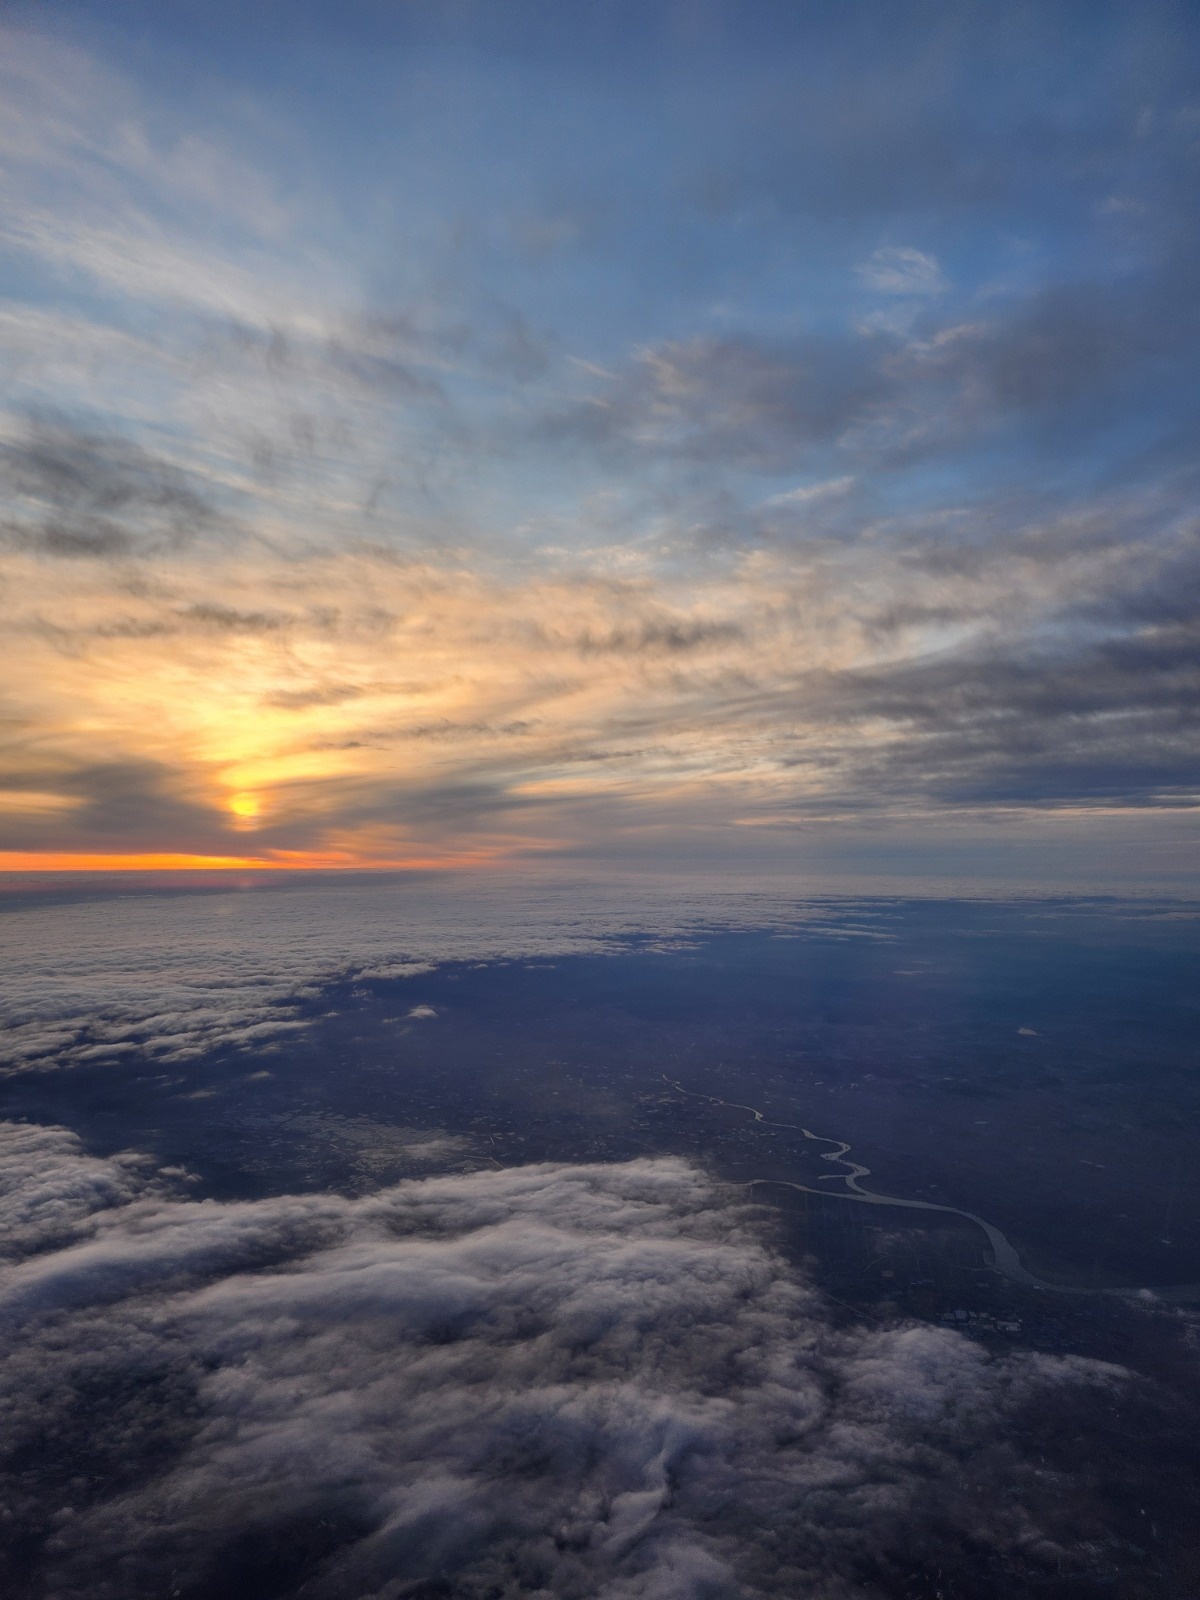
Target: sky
616 434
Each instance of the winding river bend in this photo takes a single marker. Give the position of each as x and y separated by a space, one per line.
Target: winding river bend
1004 1256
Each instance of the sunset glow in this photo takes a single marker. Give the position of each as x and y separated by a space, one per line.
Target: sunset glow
244 806
599 799
341 510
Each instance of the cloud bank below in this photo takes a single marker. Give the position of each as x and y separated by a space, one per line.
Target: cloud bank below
554 1380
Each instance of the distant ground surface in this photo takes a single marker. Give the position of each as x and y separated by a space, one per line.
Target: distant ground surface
1033 1064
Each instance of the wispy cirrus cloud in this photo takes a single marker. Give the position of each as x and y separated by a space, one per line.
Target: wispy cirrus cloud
899 269
342 495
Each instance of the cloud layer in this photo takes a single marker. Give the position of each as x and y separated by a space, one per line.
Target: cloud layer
171 976
508 443
555 1380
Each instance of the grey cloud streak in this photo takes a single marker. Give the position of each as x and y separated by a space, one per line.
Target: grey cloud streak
1053 371
578 1381
78 493
1115 721
116 800
741 403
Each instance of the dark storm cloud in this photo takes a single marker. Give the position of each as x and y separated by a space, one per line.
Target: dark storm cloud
559 1380
75 493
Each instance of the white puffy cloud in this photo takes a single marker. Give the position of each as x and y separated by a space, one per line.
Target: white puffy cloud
550 1380
48 1188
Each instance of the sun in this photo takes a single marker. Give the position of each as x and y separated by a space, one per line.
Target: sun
244 807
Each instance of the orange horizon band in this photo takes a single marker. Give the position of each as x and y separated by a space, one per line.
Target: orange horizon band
167 861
